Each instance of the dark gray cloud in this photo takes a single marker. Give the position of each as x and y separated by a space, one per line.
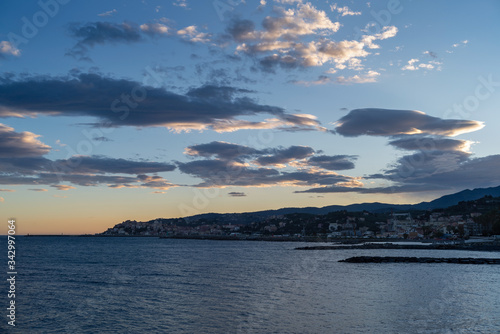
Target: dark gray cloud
452 173
221 150
241 30
335 162
263 157
376 190
227 173
22 163
212 92
102 138
271 62
425 163
426 143
388 122
233 165
236 165
236 194
20 144
123 102
102 165
471 173
92 33
285 155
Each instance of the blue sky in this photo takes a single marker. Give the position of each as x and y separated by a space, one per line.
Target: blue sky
143 109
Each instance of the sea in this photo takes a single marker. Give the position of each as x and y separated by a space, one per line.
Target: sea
152 285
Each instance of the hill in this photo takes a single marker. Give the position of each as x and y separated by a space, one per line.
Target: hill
441 202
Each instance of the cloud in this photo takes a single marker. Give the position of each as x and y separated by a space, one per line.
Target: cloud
413 64
292 23
462 43
283 35
389 122
7 190
374 190
62 187
102 139
444 171
109 100
281 156
108 13
242 30
344 11
6 48
239 153
102 165
2 199
299 37
387 32
20 144
322 80
219 173
430 171
238 165
335 162
155 182
427 143
181 3
236 194
431 54
91 34
371 76
221 150
192 34
437 163
22 163
38 189
153 29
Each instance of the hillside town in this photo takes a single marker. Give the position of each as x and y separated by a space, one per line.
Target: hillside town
473 218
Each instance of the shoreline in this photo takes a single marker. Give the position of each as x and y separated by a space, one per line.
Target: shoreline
479 246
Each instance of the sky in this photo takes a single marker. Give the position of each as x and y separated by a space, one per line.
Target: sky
147 109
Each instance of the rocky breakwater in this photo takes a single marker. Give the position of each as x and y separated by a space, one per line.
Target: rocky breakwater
399 259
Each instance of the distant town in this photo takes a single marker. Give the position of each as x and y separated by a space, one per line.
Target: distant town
479 217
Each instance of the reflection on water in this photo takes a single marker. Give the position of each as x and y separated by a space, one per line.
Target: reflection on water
135 285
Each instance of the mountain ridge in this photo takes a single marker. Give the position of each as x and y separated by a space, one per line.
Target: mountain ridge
376 207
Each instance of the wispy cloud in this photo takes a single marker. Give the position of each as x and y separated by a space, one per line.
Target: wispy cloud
90 34
344 11
62 187
236 194
181 3
415 65
108 13
322 80
6 48
192 34
370 76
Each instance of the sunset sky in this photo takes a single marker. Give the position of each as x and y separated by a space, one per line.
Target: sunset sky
116 110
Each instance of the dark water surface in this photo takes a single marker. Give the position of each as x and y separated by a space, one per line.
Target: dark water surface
150 285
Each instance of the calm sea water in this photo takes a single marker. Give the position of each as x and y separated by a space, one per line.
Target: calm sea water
150 285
